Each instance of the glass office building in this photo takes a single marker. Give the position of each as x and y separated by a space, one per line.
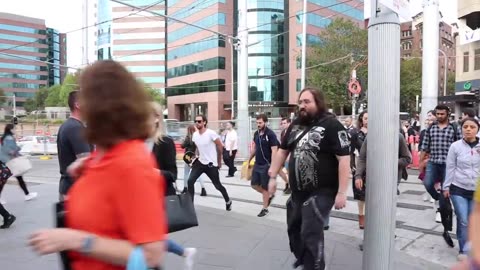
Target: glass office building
104 30
23 52
53 56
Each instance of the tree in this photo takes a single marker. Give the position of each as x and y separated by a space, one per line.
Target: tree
410 83
451 83
68 85
38 100
3 97
339 39
53 98
154 94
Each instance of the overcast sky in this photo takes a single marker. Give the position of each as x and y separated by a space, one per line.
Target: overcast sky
65 15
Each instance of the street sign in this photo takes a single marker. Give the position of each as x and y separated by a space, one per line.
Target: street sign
467 85
401 7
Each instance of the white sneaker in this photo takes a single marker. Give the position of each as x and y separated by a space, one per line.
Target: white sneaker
189 258
438 217
461 257
425 197
432 200
31 196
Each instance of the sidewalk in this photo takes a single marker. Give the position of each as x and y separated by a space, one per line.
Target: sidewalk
225 240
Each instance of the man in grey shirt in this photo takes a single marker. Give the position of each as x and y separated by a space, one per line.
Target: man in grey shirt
70 143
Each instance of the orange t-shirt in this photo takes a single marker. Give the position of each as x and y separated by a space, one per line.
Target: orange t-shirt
118 197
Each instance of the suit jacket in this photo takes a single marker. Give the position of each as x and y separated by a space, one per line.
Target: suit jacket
165 155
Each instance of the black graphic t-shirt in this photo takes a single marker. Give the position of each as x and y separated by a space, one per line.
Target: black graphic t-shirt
313 161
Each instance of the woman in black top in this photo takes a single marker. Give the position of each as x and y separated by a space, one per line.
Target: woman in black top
189 146
357 141
163 149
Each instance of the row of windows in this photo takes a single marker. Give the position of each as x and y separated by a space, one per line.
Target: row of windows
406 33
147 69
23 39
24 67
191 9
266 43
336 5
265 65
23 76
143 57
197 87
21 85
22 29
139 47
276 4
196 67
24 57
195 47
266 90
476 63
314 19
215 19
22 48
311 40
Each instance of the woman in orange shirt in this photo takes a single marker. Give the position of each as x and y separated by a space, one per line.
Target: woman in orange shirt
117 202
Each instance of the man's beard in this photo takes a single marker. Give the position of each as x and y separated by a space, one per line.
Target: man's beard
305 118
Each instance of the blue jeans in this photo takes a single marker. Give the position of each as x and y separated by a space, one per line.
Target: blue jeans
186 174
463 208
175 248
433 173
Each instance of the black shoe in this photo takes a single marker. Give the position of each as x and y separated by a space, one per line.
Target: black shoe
8 222
184 190
203 193
229 206
229 176
263 213
360 247
270 200
448 239
326 228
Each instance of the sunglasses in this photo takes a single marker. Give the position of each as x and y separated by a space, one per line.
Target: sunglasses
198 121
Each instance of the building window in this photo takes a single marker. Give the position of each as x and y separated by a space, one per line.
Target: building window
299 85
477 59
196 67
197 87
406 33
407 45
465 61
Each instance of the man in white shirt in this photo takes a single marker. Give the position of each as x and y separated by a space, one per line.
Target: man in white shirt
230 148
209 161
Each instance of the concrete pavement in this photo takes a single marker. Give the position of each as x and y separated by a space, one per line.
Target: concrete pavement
238 239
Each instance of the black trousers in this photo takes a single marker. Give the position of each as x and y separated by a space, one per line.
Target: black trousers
212 172
229 161
306 217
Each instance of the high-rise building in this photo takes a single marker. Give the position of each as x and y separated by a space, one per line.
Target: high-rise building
53 56
200 67
23 52
411 35
104 30
138 40
63 56
89 31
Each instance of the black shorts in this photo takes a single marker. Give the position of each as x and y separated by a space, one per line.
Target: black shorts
260 176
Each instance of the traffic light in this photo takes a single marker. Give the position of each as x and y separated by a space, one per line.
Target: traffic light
15 120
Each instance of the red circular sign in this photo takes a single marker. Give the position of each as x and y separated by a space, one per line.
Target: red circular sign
354 87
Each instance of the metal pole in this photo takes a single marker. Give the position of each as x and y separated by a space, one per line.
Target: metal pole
354 96
304 45
444 72
242 85
430 57
383 106
14 105
233 85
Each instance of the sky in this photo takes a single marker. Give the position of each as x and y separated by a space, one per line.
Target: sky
66 15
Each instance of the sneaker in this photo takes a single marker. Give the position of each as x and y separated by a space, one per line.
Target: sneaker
263 213
287 190
189 255
425 197
203 193
432 200
229 176
438 217
229 206
326 228
462 257
31 196
270 200
8 222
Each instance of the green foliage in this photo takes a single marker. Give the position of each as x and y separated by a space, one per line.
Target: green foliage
3 98
69 84
451 83
53 98
38 100
154 94
341 38
410 83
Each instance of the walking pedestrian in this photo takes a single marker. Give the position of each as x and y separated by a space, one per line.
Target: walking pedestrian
284 124
71 144
462 173
357 140
264 148
163 149
230 148
9 151
319 172
190 147
117 203
428 122
209 161
436 143
8 219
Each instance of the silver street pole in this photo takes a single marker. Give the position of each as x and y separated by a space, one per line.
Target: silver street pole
382 153
304 45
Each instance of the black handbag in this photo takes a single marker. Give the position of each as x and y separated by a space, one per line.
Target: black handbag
180 212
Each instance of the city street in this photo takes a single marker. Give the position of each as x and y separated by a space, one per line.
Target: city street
239 239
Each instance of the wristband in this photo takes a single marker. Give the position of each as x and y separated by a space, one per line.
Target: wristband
87 245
